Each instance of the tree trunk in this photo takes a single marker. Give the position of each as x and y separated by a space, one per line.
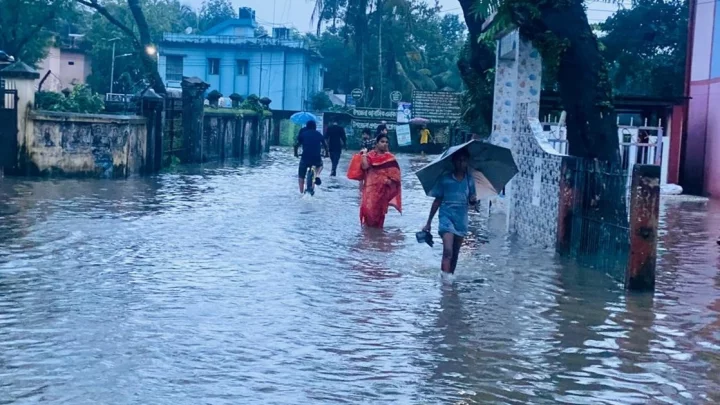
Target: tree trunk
149 61
380 51
584 85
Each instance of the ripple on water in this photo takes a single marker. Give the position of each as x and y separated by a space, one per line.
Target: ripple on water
217 284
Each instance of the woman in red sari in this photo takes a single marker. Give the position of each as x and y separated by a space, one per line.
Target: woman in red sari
381 188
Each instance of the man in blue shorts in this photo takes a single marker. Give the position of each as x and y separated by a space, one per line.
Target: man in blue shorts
313 144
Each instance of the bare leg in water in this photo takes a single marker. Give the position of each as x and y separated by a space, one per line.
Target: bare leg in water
448 240
457 243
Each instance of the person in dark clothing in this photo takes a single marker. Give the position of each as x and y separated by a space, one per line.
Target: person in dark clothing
312 143
336 141
368 143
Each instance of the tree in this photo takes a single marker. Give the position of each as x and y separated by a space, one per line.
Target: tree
399 45
140 27
162 16
561 32
477 67
27 27
261 31
646 46
320 101
213 12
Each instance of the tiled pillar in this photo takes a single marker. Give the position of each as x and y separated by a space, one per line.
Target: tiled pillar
517 81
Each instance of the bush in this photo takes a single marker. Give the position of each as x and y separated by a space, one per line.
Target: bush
252 103
48 100
320 101
80 100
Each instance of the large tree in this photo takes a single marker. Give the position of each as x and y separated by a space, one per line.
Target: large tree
161 15
561 32
389 45
138 33
29 27
646 46
213 12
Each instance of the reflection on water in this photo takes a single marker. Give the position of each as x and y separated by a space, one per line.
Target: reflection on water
217 284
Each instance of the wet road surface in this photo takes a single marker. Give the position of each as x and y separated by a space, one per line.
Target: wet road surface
219 285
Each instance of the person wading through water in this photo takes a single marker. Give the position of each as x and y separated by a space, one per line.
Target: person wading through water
382 188
336 141
454 194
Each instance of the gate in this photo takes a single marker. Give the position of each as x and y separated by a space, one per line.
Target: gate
598 223
8 129
173 145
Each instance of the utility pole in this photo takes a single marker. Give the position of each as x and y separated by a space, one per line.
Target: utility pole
112 66
380 63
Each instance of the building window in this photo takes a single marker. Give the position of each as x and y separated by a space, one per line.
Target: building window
174 68
242 67
213 66
71 63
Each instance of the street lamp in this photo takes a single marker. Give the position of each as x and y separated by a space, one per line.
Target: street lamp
151 50
112 67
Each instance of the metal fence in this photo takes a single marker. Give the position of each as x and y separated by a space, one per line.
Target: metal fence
173 146
599 223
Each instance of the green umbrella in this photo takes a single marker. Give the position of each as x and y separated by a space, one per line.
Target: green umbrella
491 166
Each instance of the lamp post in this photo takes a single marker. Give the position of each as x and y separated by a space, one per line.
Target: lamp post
112 68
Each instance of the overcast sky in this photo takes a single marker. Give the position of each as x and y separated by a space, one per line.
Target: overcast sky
296 13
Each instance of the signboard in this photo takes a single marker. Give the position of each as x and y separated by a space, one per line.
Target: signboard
357 94
374 114
319 122
371 125
395 96
440 107
403 135
404 113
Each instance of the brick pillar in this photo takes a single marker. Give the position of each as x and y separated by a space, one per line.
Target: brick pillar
644 219
193 90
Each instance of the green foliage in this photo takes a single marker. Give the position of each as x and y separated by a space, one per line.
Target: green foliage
477 66
80 100
419 47
646 47
213 12
27 26
320 101
162 16
252 103
48 100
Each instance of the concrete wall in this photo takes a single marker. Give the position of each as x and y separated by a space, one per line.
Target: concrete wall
702 153
229 136
50 64
74 68
84 145
64 75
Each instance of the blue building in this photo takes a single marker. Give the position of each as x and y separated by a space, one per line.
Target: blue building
233 60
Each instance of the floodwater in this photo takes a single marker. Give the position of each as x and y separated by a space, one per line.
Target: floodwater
219 285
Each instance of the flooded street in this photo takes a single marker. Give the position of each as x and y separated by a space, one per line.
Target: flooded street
219 285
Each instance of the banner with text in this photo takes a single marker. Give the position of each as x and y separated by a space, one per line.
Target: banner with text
374 114
439 107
